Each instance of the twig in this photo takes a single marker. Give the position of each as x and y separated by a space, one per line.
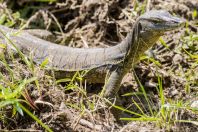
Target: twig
148 5
84 42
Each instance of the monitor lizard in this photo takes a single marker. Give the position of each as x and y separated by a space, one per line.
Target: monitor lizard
103 64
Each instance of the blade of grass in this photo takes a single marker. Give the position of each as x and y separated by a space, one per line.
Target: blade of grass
144 93
17 49
35 118
140 119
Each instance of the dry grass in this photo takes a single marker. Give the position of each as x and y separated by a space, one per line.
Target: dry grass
158 96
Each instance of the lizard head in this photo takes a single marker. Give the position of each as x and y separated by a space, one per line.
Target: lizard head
159 21
150 26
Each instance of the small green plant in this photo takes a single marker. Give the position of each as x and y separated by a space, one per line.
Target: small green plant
10 96
78 76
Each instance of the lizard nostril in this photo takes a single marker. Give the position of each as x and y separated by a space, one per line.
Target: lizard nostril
180 22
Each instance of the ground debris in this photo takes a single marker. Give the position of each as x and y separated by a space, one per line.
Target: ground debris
104 23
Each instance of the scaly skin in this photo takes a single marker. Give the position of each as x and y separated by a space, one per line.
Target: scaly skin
116 60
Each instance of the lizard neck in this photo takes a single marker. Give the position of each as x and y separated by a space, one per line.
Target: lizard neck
135 44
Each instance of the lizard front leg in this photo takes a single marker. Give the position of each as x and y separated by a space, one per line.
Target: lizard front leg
112 86
113 82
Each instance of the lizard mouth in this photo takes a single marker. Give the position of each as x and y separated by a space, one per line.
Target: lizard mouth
162 25
170 25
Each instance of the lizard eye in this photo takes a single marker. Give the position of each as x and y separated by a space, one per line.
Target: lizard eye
156 20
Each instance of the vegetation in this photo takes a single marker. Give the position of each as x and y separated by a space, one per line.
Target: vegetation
158 93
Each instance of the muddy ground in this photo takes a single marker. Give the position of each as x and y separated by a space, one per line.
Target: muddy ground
104 23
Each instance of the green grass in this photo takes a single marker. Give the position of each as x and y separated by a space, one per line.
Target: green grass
11 90
166 116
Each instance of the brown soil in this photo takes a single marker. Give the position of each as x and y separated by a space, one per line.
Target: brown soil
103 23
